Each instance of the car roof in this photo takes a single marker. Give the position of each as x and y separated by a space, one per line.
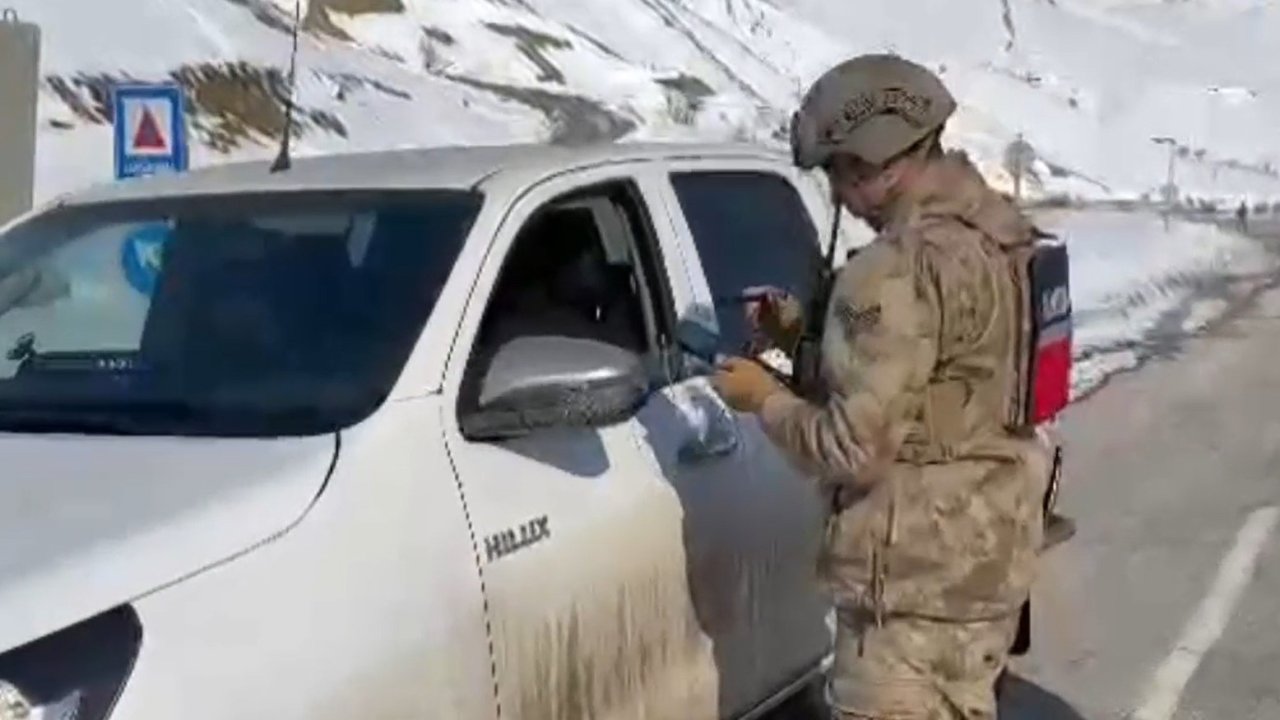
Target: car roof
450 167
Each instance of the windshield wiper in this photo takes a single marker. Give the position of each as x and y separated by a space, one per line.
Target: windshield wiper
26 421
172 418
23 349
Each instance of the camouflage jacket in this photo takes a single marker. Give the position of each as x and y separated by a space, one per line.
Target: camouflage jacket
936 507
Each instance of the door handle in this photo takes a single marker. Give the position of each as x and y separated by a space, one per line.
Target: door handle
720 441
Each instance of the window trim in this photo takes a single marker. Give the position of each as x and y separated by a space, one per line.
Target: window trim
642 240
524 207
645 241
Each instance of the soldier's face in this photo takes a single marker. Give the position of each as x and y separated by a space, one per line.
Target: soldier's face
863 189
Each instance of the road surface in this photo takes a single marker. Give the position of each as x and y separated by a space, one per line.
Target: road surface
1166 604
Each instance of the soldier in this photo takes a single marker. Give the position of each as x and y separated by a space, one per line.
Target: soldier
936 517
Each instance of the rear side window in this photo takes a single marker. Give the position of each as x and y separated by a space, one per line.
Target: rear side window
751 228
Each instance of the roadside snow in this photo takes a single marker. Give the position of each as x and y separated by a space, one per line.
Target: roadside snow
1089 373
1203 313
1138 288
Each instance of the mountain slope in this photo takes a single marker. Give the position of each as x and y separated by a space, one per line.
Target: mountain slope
1088 82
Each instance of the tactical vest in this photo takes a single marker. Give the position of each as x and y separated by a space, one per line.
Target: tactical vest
952 526
1015 375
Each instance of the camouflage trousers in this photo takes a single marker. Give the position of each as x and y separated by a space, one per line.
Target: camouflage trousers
916 669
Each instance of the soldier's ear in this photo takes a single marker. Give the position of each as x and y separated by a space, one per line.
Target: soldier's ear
892 175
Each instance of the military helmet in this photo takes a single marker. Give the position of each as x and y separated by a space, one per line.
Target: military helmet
872 106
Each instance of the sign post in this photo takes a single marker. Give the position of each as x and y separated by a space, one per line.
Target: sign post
19 92
150 130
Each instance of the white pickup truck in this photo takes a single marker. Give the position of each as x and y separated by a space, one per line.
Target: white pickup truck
402 435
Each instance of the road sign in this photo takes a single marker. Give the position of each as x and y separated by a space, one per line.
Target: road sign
150 130
141 256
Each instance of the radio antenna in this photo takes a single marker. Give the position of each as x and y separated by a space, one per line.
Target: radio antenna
283 160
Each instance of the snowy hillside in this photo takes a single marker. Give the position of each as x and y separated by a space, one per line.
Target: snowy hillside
1087 82
1091 82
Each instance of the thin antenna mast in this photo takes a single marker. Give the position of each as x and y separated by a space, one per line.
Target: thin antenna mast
283 160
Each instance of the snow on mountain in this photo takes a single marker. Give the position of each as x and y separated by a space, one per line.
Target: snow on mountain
1088 83
1091 82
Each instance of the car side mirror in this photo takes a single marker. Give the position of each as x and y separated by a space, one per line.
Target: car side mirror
698 340
540 382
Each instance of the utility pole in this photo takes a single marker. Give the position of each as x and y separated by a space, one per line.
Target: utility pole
1017 184
1018 158
19 83
1170 190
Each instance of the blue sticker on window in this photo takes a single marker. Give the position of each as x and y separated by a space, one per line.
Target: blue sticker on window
142 256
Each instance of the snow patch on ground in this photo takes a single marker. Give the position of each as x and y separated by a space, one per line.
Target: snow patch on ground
1138 288
1203 313
1089 373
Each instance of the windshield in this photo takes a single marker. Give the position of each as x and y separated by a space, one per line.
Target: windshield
230 315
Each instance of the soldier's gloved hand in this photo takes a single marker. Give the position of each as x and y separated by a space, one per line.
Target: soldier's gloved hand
744 384
776 314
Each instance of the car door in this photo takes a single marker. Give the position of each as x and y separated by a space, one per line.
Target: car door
737 554
616 583
745 223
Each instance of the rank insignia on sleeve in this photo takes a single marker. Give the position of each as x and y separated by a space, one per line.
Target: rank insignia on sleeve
855 321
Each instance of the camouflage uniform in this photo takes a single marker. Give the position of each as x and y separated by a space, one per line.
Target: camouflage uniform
932 542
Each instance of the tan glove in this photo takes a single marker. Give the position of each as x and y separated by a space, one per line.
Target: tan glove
745 385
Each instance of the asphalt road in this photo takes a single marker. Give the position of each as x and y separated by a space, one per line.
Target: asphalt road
1166 604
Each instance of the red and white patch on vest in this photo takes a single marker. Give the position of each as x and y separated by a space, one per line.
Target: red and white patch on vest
1051 330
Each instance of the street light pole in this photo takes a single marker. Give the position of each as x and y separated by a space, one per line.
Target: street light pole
1173 154
1170 191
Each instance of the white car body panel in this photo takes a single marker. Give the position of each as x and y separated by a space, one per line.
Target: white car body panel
565 607
382 575
772 493
89 523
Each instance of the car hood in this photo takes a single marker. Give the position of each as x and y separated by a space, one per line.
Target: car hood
87 523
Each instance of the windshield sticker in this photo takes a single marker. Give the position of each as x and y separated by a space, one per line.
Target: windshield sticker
142 255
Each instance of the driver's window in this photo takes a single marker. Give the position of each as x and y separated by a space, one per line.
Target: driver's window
578 268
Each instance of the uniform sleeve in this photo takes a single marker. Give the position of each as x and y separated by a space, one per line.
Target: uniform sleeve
879 348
